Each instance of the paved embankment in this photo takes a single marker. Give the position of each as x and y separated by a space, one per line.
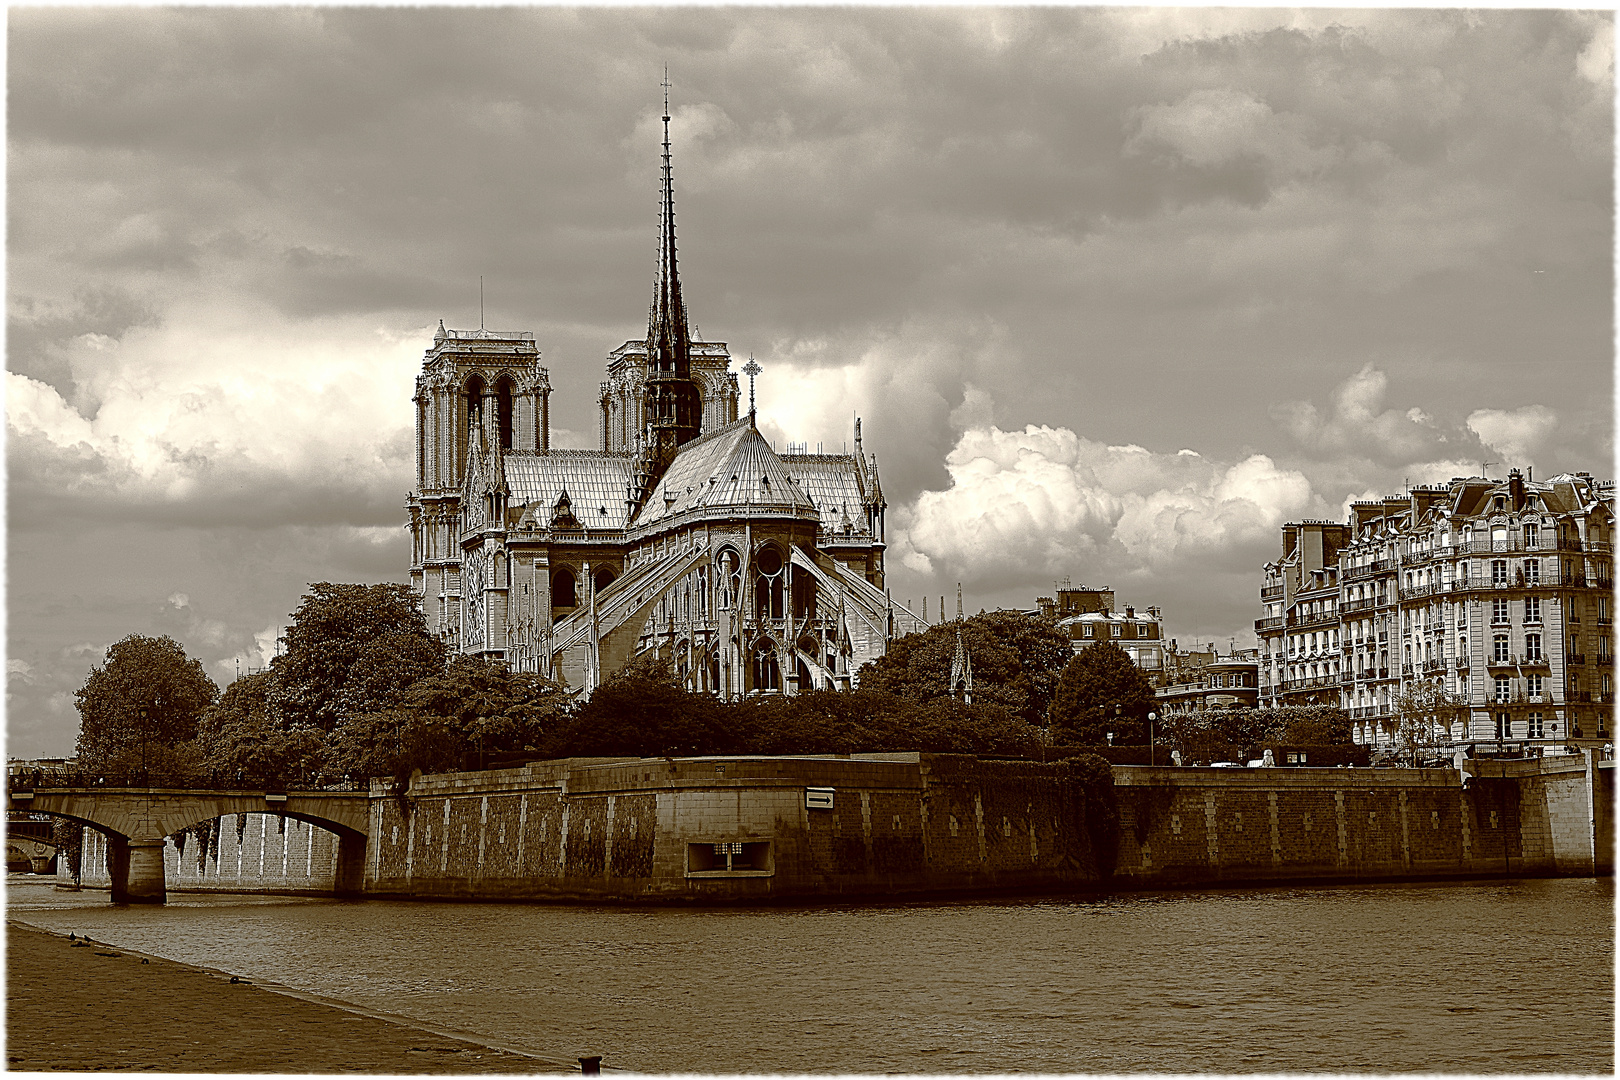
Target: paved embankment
97 1008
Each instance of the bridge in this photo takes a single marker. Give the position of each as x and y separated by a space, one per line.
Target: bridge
137 821
30 839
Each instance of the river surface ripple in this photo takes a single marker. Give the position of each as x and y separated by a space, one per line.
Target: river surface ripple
1498 976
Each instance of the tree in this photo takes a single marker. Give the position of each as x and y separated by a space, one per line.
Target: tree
1421 714
244 740
138 711
1017 659
490 708
641 712
385 670
392 744
1099 679
334 628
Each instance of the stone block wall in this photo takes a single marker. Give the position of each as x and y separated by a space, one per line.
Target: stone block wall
731 829
1190 826
273 854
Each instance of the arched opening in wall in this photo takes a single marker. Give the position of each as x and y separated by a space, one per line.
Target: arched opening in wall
768 582
504 389
469 411
729 579
766 672
563 592
603 578
804 594
473 401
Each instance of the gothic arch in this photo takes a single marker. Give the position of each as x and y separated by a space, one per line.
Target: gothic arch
564 587
505 392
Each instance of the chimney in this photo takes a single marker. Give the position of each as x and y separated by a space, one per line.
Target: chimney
1516 489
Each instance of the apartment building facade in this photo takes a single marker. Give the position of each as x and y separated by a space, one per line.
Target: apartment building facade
1498 592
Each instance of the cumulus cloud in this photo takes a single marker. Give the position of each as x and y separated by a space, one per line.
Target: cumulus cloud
1358 423
233 423
1023 505
1514 433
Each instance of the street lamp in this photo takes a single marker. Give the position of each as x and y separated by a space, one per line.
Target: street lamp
1152 758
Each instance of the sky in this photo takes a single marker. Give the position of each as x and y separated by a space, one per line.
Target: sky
1115 292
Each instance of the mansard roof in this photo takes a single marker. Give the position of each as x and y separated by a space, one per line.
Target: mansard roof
732 466
596 482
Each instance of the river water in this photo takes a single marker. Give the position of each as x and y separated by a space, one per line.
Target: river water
1497 976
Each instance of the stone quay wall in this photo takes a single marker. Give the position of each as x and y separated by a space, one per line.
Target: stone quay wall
1203 826
716 830
273 855
754 829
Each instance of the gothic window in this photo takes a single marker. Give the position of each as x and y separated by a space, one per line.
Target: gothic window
768 582
767 674
562 589
729 579
603 577
804 595
474 401
503 410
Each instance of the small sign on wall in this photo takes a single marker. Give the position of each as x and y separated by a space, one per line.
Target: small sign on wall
818 798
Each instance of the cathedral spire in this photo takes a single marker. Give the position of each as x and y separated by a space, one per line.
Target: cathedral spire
673 404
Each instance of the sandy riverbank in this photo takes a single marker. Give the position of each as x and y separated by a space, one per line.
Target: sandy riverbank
96 1008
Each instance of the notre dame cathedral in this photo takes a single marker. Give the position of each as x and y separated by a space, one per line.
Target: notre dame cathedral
684 535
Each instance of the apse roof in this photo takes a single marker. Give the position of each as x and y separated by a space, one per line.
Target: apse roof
732 466
596 481
832 485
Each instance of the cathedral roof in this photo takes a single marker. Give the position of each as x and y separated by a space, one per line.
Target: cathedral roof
596 482
731 467
832 484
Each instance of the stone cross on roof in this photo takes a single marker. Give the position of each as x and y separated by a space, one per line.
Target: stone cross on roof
751 369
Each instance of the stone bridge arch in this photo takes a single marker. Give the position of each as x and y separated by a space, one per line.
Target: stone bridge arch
137 821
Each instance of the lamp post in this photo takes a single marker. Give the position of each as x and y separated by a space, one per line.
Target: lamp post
145 738
1152 758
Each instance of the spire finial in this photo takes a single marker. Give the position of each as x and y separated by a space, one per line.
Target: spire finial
751 369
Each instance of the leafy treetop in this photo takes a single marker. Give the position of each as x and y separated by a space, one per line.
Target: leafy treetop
1100 678
335 627
146 696
1017 659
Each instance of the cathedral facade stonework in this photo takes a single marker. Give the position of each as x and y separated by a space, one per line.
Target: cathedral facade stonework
684 534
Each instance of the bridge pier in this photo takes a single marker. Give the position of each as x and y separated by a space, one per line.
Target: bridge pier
136 870
350 876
